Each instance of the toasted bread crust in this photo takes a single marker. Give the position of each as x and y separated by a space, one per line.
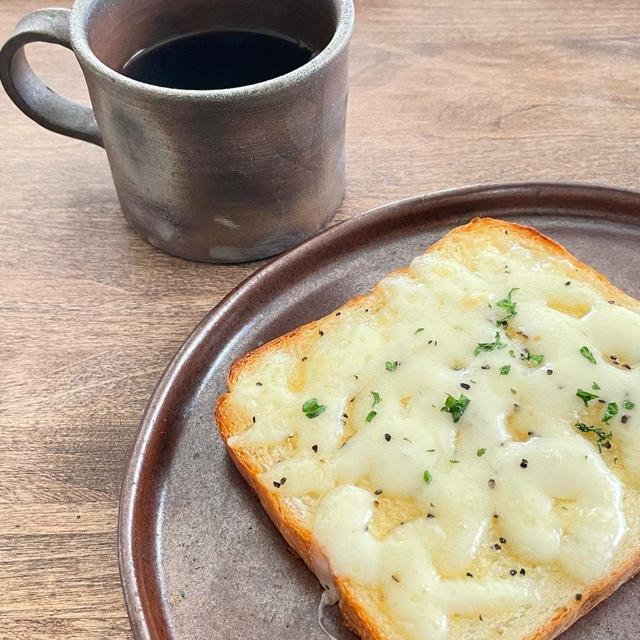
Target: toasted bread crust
355 616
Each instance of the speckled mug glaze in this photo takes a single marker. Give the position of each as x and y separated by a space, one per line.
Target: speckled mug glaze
218 176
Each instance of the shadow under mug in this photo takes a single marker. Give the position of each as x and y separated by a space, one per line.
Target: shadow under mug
218 176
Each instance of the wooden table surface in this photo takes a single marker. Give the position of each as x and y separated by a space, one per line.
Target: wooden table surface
443 94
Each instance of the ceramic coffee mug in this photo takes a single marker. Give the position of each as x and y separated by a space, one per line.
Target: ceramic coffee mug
220 176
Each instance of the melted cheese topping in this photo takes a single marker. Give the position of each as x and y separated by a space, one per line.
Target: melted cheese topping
437 515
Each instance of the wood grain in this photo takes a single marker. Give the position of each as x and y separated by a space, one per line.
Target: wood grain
442 94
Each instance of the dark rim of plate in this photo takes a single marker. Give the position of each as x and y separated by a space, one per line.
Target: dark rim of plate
144 476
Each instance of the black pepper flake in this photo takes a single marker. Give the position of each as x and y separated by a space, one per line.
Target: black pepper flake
321 333
524 463
305 358
315 448
497 547
578 597
549 372
613 356
430 341
513 572
503 540
282 481
466 386
480 617
624 419
258 384
345 416
529 433
253 419
469 575
567 283
492 483
516 407
387 437
601 401
495 515
378 492
395 578
522 572
356 377
626 366
486 367
276 484
611 301
430 515
366 310
376 503
338 313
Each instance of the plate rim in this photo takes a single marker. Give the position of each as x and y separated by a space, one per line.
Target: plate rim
138 607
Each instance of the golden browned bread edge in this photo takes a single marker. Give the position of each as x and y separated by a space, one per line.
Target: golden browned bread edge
299 538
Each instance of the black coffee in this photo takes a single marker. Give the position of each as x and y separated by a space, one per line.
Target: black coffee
217 60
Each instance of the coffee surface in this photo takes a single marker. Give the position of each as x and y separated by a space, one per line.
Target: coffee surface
220 59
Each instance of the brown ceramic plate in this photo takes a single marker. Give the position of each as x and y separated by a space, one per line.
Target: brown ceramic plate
198 557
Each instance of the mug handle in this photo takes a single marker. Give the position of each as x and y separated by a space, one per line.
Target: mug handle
29 93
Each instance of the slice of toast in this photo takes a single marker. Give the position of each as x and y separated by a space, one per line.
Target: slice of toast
456 453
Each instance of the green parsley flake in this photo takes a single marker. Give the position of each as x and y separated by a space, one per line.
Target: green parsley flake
586 396
628 405
456 407
426 476
312 409
611 412
595 386
514 391
418 330
489 346
454 461
532 358
512 353
377 399
586 353
603 438
391 366
509 306
481 452
504 371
